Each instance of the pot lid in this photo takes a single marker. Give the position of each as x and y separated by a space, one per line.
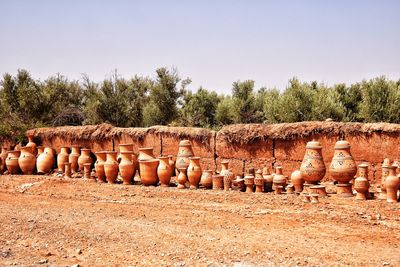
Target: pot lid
314 145
342 144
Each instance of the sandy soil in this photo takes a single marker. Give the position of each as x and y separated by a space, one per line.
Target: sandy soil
47 221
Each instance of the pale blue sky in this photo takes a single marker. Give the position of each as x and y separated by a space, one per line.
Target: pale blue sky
213 42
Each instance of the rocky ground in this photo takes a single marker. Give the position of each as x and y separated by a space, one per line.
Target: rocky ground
47 221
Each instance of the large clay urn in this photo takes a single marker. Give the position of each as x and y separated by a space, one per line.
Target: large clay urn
99 166
111 167
148 171
164 171
3 157
124 148
194 172
343 168
62 157
32 144
206 179
392 185
313 167
27 160
45 161
361 184
84 158
12 161
184 153
268 179
73 157
279 179
297 180
126 167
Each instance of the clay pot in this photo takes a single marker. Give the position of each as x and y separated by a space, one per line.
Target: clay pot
206 179
361 184
320 190
218 182
45 161
306 197
240 184
73 157
184 153
84 158
249 182
259 182
314 198
392 185
27 160
268 179
3 157
111 167
278 189
99 166
124 148
172 165
146 153
12 161
224 167
86 170
289 189
279 178
182 178
343 168
67 170
385 172
313 167
126 167
62 157
40 150
194 172
164 171
297 180
32 144
148 171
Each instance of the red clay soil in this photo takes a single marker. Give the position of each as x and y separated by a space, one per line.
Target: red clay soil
48 221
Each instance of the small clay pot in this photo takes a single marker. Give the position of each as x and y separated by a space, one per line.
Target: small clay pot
249 182
86 170
361 184
146 153
126 167
67 170
259 182
392 185
240 184
306 198
84 158
218 182
344 190
27 160
99 166
228 181
318 189
279 178
182 178
172 165
278 189
313 167
289 189
314 198
164 171
385 172
73 157
12 161
111 167
62 157
268 179
206 179
297 180
124 148
194 172
45 161
148 172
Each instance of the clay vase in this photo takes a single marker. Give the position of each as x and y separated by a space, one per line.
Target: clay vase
111 167
148 171
279 179
164 171
84 158
32 144
124 148
27 160
228 179
45 161
3 157
218 182
73 158
67 170
62 157
99 166
224 167
146 153
385 172
172 165
259 182
297 181
194 172
184 153
313 167
206 179
343 168
249 182
182 178
361 184
127 167
392 185
86 170
268 179
40 150
12 161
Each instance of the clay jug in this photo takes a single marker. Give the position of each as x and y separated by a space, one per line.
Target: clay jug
84 158
392 185
27 160
182 178
111 167
148 171
217 182
172 165
62 157
279 179
45 161
259 182
206 179
164 171
73 158
194 172
124 148
184 153
127 167
12 161
249 182
343 168
99 166
361 184
3 158
297 181
40 150
268 179
313 167
32 144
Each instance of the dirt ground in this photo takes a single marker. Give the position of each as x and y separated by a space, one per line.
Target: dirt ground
47 221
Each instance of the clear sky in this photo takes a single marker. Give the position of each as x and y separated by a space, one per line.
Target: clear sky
214 42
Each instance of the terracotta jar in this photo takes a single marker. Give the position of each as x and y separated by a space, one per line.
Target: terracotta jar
111 167
343 168
259 182
224 167
392 185
3 157
228 180
45 161
40 150
240 184
172 165
268 179
62 157
86 170
385 172
84 158
297 180
32 144
126 167
249 182
124 148
194 172
361 184
206 179
73 158
99 166
27 160
182 178
164 171
67 170
313 167
146 153
279 178
278 189
218 182
12 161
184 153
148 171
